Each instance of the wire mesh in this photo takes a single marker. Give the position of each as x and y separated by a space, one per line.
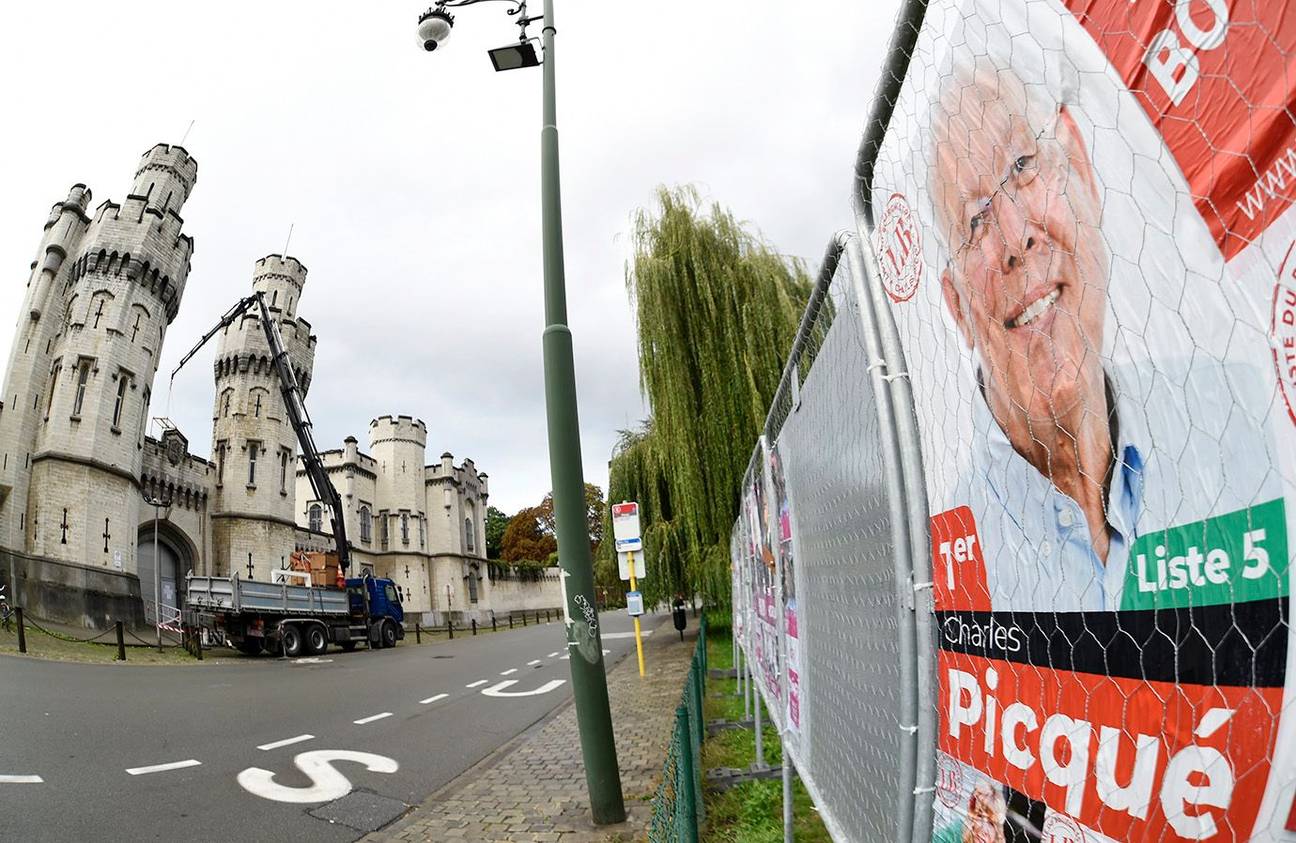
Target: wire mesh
1082 225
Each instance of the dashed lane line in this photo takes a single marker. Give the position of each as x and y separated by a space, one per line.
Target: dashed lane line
533 662
371 718
551 655
21 780
162 768
508 672
476 684
431 700
285 742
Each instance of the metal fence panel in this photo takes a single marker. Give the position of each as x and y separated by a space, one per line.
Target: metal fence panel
846 588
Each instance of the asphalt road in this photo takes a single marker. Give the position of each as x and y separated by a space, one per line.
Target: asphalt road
89 733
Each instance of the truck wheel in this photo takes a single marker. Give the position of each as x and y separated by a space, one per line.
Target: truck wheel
388 634
292 642
348 646
316 642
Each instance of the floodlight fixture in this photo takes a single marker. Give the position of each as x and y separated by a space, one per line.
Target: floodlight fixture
514 56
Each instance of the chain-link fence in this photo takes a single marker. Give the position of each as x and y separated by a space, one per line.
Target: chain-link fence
1013 557
677 807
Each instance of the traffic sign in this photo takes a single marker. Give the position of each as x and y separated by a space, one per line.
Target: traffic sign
634 603
625 526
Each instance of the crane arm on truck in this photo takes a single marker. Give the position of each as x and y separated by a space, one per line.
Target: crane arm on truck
297 415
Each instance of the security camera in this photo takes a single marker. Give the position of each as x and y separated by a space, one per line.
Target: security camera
434 27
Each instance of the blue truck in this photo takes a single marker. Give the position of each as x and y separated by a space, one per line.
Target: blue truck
294 620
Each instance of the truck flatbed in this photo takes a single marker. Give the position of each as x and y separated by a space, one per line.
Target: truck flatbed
233 594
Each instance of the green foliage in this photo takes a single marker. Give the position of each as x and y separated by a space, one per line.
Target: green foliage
496 523
594 515
524 540
717 310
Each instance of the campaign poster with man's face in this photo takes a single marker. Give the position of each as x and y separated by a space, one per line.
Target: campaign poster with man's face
1083 225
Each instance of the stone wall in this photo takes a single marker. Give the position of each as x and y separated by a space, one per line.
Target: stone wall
72 594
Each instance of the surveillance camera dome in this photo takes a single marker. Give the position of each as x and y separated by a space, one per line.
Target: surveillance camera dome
434 27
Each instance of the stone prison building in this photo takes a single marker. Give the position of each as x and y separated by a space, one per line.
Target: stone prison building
78 467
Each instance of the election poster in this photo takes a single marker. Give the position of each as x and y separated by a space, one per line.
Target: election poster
787 579
1083 224
764 577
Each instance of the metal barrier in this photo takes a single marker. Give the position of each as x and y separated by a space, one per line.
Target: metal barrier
677 807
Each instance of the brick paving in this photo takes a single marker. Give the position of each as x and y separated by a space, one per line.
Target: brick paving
533 788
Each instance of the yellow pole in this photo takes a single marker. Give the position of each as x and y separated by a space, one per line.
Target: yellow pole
638 638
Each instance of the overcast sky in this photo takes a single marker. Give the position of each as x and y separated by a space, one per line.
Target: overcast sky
412 181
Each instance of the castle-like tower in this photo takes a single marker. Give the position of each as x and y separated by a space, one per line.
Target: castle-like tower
253 443
102 292
398 444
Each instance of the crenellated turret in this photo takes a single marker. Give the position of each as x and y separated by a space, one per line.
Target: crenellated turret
115 291
253 444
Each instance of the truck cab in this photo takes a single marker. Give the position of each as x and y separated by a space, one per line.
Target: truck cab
376 600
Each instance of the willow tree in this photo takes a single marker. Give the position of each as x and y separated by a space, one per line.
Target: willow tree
717 309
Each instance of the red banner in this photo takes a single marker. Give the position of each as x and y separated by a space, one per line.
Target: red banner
1215 77
1132 759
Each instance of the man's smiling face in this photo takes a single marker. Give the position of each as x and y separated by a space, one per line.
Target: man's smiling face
1026 281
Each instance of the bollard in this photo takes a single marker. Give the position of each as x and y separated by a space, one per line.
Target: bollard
22 630
524 623
121 644
197 645
493 629
418 633
474 623
537 617
510 620
450 627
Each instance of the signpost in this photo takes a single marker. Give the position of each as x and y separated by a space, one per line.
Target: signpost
625 532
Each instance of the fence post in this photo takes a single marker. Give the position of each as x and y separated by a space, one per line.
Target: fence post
474 623
749 691
450 626
418 633
121 644
760 734
787 794
22 630
685 776
197 646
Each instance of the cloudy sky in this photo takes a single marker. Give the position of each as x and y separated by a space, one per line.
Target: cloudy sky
412 181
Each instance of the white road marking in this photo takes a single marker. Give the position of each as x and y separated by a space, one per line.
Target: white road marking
162 768
498 689
610 635
327 783
476 684
533 662
551 655
511 670
566 657
21 780
371 718
285 742
607 652
311 660
431 700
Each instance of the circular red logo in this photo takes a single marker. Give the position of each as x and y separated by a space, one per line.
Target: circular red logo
1284 341
949 781
899 249
1059 828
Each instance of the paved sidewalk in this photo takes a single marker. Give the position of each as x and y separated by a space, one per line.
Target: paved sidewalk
533 788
